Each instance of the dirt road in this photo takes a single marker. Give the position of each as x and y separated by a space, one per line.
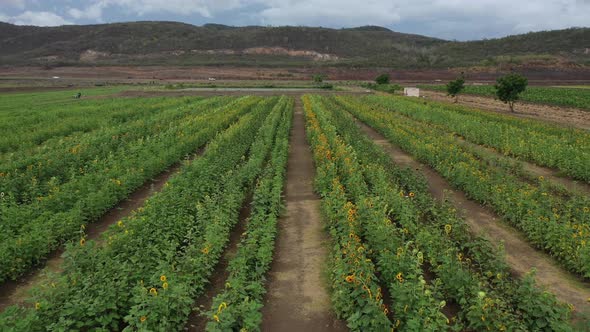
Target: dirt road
297 298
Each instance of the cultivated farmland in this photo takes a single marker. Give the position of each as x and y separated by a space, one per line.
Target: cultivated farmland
327 211
578 97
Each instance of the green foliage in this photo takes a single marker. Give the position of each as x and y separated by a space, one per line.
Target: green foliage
468 270
382 79
165 267
547 145
238 305
558 96
126 42
509 87
550 222
170 43
356 294
220 212
389 88
400 229
318 78
49 195
386 229
455 87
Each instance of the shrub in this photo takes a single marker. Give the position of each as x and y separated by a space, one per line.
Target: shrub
382 79
509 87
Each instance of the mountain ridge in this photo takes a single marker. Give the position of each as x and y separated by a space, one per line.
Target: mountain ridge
174 43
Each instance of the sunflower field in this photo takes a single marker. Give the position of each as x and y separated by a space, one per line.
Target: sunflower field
387 231
145 271
246 180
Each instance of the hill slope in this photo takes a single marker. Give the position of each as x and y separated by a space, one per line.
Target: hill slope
171 43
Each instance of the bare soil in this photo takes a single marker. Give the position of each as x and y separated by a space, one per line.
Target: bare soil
297 297
561 115
196 322
138 74
520 255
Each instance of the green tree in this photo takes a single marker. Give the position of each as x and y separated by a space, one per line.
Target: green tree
455 87
509 87
382 79
318 78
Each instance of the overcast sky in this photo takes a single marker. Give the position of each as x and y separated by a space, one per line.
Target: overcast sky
449 19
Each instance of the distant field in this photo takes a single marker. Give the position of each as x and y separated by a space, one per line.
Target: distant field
575 86
578 96
252 84
25 100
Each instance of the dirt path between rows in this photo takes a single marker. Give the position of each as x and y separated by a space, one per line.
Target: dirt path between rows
562 115
520 255
15 292
297 297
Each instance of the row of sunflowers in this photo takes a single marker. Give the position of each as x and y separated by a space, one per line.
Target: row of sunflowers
437 275
75 180
147 269
558 223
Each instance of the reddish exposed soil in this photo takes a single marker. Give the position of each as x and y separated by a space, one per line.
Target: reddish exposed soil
561 115
171 74
520 255
297 298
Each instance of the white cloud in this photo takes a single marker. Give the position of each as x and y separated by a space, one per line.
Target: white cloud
499 16
92 12
3 18
38 18
446 18
331 13
461 19
206 8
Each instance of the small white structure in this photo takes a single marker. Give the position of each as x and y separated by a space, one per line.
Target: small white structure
211 79
412 92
